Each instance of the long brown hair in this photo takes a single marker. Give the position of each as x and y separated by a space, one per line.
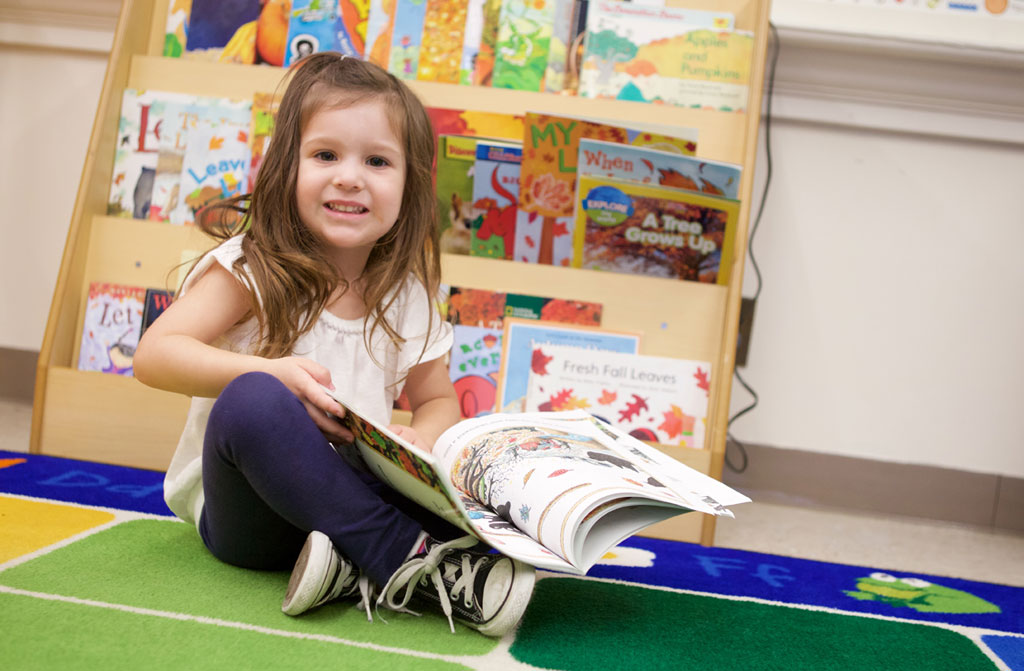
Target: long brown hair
292 279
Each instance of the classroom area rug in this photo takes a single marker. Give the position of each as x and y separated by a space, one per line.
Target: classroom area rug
95 573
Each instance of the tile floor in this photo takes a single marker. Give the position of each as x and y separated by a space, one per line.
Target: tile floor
852 537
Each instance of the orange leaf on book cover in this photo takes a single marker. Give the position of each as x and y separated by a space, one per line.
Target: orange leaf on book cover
702 379
607 397
216 142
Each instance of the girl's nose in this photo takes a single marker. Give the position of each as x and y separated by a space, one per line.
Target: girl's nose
348 175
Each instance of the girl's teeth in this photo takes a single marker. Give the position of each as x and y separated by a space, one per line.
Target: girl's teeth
351 209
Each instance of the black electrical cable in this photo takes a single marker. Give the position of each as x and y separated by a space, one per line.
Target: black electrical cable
750 247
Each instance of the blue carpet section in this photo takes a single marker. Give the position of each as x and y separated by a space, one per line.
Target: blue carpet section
83 482
1010 649
840 586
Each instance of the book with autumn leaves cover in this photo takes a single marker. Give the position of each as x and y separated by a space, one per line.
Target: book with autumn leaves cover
556 490
657 399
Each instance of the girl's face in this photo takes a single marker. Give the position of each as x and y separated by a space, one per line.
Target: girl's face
350 181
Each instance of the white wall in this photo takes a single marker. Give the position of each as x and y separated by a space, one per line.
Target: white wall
890 318
52 62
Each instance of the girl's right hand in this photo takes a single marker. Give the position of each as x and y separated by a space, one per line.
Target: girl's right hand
306 379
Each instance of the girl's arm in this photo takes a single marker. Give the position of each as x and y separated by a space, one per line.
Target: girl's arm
176 354
435 407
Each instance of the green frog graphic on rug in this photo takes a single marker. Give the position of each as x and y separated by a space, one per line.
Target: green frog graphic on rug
921 595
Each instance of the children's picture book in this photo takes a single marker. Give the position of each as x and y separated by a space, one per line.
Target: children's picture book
495 196
518 339
111 328
658 231
558 47
315 26
521 49
477 123
652 398
441 49
223 30
456 159
686 57
473 367
406 38
143 123
471 35
216 161
554 490
264 111
176 31
355 14
157 300
651 166
478 316
483 66
379 25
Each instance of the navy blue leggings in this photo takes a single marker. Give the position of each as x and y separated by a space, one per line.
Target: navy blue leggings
270 477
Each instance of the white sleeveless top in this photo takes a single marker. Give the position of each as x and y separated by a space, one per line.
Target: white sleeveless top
334 343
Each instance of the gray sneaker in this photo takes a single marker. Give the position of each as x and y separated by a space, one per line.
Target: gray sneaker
321 574
488 592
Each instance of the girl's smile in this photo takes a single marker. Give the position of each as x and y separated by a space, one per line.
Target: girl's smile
351 180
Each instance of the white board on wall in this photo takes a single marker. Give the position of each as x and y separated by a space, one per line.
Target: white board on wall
983 24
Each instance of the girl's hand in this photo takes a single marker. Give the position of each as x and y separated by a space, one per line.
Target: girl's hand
304 378
409 435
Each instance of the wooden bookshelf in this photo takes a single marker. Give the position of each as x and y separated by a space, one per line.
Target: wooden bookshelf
89 415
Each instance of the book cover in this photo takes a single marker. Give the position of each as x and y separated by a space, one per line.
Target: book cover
456 159
494 125
380 23
406 37
178 118
139 131
264 110
518 339
315 26
473 367
444 24
472 34
156 301
272 32
216 161
111 328
495 195
651 166
176 30
223 30
558 47
656 399
521 48
481 307
352 29
627 227
685 57
483 67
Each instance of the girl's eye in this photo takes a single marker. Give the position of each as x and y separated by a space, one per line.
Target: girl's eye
325 155
377 161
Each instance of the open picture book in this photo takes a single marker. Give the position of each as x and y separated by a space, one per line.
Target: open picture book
553 489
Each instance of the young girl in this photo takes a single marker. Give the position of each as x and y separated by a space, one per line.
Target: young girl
327 279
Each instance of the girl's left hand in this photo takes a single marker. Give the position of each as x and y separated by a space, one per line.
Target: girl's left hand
409 435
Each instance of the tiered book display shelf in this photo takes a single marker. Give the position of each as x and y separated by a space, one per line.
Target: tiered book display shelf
109 418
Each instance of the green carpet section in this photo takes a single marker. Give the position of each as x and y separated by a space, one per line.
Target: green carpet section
56 635
162 565
578 625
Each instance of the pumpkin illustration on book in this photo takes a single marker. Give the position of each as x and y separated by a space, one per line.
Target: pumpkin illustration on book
272 32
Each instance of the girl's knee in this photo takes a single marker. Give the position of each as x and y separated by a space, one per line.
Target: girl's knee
253 398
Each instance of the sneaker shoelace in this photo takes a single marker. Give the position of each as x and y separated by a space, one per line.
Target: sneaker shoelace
400 588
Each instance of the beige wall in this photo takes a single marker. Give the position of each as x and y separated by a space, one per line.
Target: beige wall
890 321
